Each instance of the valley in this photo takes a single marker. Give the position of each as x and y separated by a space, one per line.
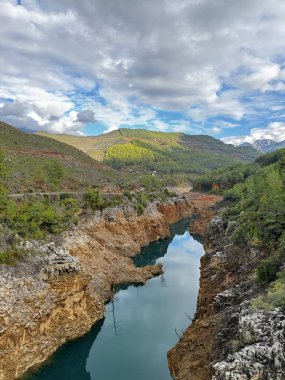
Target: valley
68 242
142 190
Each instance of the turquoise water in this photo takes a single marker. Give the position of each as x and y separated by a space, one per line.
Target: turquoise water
132 341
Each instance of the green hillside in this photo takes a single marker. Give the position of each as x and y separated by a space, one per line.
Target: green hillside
255 195
39 163
144 151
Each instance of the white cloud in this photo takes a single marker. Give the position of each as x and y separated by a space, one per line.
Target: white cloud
216 130
275 131
159 125
111 129
260 78
203 59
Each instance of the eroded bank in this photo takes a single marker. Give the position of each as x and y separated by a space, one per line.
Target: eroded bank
60 290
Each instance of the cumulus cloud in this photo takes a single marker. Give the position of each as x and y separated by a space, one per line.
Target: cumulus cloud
86 116
275 131
122 62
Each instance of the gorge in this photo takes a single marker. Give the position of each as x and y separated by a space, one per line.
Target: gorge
60 293
140 324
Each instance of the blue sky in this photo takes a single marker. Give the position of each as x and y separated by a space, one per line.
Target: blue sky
193 66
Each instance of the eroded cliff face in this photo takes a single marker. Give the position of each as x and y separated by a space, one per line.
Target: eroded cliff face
226 340
59 291
40 306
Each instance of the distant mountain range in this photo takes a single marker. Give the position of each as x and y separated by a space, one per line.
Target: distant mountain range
265 145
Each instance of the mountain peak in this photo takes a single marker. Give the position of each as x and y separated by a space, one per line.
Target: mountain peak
268 145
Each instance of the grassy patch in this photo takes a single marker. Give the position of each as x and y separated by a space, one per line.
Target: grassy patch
11 256
274 296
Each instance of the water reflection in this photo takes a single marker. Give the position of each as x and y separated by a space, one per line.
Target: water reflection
69 362
145 319
157 249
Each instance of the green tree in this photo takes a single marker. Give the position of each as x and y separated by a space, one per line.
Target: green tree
94 200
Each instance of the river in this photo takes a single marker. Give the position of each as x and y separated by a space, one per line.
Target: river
141 323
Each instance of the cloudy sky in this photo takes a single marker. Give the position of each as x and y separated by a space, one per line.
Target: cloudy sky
197 66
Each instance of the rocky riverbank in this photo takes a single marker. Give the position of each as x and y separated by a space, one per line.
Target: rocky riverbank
227 339
59 290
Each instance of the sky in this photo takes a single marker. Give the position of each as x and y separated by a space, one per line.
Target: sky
88 67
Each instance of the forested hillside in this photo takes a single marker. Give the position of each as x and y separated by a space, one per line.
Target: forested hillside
256 195
145 151
38 163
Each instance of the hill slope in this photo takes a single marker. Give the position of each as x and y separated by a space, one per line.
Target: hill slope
167 153
38 163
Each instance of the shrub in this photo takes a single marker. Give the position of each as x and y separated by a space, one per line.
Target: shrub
128 194
10 256
118 200
64 196
76 220
142 199
273 298
36 218
139 209
94 200
151 183
268 269
70 204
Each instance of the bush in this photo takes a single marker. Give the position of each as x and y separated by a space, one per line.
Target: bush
128 194
76 220
151 183
70 204
275 296
36 218
268 269
94 200
143 199
10 256
139 209
232 195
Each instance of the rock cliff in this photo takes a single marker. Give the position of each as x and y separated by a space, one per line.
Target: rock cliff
59 290
226 339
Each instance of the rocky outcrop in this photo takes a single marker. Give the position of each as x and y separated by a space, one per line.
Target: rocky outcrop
60 289
41 301
226 340
261 356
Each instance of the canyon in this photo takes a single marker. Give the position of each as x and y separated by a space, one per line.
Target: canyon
228 339
59 290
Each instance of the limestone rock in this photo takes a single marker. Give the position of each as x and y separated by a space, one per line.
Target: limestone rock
262 356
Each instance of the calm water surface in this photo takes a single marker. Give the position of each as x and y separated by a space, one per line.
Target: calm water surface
139 328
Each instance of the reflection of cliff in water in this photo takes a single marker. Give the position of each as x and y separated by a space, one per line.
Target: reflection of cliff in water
157 249
72 361
72 356
139 322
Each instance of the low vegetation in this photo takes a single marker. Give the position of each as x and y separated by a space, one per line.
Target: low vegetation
257 206
40 164
220 180
37 216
